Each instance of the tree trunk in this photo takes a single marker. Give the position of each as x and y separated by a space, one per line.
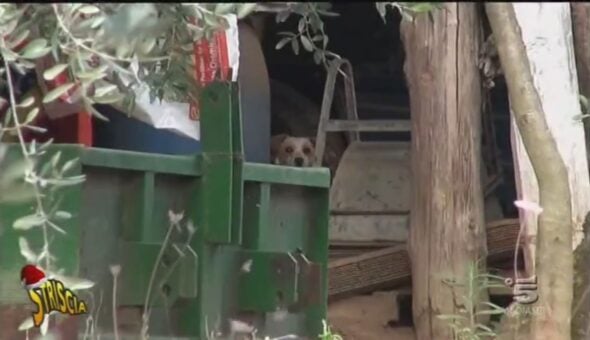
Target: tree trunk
554 259
581 30
581 306
447 218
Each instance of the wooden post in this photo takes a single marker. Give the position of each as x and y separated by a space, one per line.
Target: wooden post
447 221
547 35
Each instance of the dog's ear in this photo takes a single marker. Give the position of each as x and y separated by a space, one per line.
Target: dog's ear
276 140
275 144
312 140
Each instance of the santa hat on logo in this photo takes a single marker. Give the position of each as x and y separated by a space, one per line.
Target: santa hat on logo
32 277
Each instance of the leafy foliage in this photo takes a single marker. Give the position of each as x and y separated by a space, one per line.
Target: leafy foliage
465 324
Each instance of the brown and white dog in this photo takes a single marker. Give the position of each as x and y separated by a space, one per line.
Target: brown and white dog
292 151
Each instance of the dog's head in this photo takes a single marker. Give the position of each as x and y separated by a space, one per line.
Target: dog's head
293 151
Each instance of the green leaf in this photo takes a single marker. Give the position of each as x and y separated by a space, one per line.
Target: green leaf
74 180
36 128
19 39
422 7
295 46
54 71
494 306
89 9
46 144
24 64
223 8
484 328
31 115
283 42
57 92
210 19
55 159
97 21
97 73
57 228
301 25
287 34
123 50
317 56
74 7
69 165
490 312
88 106
101 91
328 13
35 49
63 215
30 100
26 251
148 45
28 222
109 98
316 23
382 9
245 9
8 54
307 44
282 16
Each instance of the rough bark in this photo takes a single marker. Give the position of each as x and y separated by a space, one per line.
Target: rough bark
581 306
554 259
581 30
447 222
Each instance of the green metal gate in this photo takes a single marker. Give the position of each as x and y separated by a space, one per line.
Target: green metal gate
258 253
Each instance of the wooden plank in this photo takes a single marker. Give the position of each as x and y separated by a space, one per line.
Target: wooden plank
369 228
373 125
390 267
547 36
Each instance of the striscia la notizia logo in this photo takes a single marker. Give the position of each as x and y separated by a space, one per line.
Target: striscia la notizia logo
49 295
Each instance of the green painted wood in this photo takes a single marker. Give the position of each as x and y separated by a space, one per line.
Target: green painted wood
242 212
310 177
217 145
139 161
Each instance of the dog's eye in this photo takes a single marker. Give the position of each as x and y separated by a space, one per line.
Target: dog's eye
306 150
288 149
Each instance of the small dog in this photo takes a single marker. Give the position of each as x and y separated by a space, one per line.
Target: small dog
293 151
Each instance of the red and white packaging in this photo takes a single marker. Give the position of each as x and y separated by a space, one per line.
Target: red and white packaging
67 104
219 55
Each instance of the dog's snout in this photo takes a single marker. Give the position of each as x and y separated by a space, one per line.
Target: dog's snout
299 161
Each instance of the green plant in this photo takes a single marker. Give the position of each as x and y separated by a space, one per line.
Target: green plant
327 333
465 324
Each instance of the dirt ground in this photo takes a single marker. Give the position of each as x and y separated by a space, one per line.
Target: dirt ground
365 317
